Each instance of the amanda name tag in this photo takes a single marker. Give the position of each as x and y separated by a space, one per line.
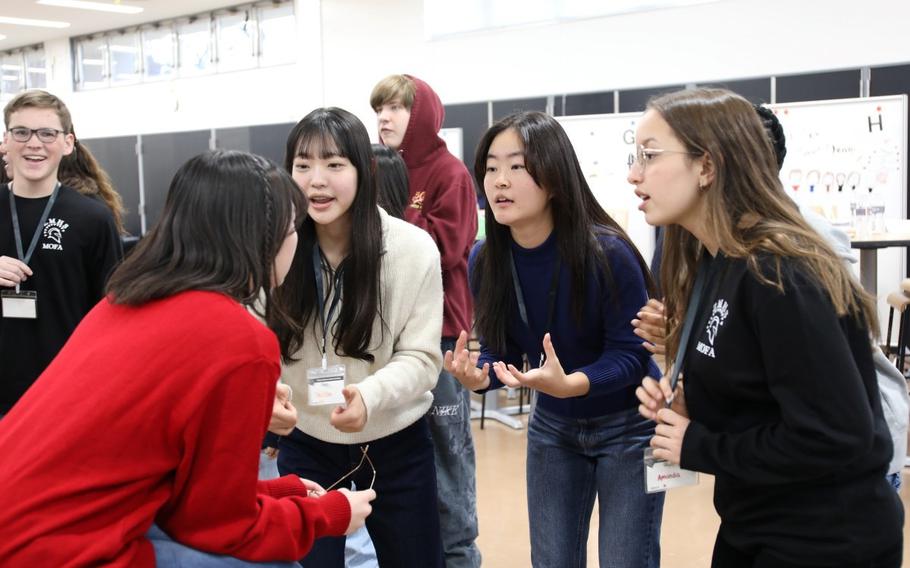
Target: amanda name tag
324 386
22 305
661 475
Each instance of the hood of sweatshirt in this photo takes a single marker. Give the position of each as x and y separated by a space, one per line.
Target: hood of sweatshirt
421 139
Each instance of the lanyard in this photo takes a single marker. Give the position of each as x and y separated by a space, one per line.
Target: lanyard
320 292
25 257
707 267
522 308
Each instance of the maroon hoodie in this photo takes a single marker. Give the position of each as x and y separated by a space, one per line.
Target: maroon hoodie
442 202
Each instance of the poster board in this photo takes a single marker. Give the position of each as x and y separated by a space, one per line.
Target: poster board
454 139
849 155
605 146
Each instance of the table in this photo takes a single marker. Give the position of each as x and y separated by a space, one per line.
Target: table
868 255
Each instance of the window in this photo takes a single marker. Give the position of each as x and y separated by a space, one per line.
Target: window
236 40
35 69
159 52
257 34
125 59
12 79
277 33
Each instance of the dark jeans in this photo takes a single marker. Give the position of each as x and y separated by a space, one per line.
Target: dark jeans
450 428
404 524
725 556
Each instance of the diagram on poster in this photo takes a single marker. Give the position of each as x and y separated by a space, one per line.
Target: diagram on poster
605 145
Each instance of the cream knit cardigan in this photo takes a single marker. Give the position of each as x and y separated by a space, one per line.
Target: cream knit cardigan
396 386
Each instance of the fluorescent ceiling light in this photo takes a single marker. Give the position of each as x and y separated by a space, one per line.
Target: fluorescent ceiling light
35 23
98 6
9 67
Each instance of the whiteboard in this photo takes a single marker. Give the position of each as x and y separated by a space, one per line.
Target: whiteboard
453 137
605 145
846 153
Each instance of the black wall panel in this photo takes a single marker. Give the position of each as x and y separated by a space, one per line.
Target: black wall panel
118 158
756 91
162 155
501 109
472 119
266 140
587 103
818 86
635 100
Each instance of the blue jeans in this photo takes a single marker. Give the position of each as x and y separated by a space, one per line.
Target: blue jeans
453 448
572 460
172 554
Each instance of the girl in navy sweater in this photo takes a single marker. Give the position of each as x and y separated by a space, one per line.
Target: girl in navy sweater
781 403
556 284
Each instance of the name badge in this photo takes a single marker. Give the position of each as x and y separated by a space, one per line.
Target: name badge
661 475
22 305
324 386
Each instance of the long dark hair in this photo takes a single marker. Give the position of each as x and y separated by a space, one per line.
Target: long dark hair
577 220
225 218
391 180
336 131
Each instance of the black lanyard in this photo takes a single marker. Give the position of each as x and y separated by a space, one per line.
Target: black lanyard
707 268
25 257
320 292
522 308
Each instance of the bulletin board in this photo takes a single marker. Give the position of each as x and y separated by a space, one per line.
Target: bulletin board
605 145
845 153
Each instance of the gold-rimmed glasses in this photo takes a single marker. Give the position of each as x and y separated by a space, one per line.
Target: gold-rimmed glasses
364 457
643 155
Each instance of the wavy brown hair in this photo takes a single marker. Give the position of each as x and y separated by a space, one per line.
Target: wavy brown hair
82 172
748 213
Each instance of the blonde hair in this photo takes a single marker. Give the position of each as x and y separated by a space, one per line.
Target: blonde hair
748 213
393 87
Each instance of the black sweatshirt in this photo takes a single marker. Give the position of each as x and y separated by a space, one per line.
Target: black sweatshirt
787 416
77 251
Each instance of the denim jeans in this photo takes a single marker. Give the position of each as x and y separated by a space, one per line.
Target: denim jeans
572 460
453 447
404 524
172 554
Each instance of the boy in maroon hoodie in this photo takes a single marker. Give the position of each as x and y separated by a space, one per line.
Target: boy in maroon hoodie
442 202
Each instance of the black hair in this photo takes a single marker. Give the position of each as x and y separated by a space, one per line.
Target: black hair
338 132
391 180
225 218
775 133
578 219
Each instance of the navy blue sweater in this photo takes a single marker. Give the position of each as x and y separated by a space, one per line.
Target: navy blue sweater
603 347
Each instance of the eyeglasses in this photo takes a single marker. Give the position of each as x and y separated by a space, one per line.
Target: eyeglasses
643 156
23 134
363 458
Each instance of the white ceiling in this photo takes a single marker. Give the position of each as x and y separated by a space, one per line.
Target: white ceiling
90 21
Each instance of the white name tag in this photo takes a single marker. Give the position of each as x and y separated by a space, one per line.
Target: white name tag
661 475
324 386
23 305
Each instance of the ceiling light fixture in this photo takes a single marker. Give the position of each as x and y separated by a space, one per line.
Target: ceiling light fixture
98 6
35 23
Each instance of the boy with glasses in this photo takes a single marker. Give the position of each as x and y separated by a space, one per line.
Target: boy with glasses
57 247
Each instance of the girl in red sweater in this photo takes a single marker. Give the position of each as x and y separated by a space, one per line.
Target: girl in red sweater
141 438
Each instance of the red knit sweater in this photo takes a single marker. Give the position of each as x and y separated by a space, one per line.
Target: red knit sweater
153 413
442 202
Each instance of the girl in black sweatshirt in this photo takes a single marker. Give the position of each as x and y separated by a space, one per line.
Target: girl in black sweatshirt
781 403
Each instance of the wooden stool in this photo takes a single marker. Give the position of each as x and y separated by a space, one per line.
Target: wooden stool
898 301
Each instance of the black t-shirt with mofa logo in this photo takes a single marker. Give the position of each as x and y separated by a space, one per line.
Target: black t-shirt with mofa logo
76 252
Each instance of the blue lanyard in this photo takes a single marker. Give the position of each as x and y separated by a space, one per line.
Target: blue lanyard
320 292
25 257
522 308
